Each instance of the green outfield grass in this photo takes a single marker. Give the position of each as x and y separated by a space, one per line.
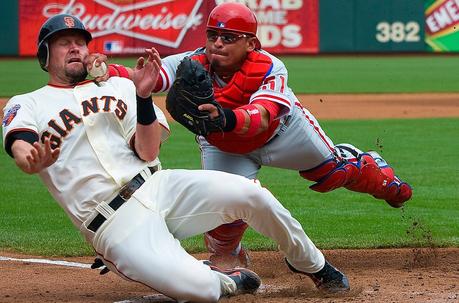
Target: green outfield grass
311 74
423 151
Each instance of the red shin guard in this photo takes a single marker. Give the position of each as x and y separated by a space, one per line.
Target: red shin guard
224 239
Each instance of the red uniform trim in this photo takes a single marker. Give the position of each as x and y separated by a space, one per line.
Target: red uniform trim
316 128
162 85
273 98
272 107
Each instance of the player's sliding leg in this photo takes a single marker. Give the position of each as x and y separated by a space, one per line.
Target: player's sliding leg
361 172
161 262
204 200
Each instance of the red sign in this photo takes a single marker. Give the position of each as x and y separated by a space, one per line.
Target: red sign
287 26
172 26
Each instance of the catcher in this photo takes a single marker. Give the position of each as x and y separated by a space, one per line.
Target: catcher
235 97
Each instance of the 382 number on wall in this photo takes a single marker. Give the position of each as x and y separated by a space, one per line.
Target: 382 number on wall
398 32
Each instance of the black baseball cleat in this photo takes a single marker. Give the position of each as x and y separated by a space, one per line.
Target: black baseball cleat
328 279
245 280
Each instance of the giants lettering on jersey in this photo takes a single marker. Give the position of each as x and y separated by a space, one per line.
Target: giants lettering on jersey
67 120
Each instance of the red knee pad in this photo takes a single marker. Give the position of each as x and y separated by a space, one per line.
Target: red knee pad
330 175
318 172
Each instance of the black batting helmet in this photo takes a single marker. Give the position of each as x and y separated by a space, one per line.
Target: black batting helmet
53 25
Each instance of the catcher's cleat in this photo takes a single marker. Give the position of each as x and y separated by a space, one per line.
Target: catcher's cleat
237 258
328 279
244 281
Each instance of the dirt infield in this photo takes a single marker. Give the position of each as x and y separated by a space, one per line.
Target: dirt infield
369 106
391 275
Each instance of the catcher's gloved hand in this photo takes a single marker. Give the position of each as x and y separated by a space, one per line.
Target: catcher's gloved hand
191 88
98 264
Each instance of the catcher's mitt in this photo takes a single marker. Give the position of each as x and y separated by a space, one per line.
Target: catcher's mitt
191 88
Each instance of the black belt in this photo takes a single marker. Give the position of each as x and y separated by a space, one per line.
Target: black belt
125 193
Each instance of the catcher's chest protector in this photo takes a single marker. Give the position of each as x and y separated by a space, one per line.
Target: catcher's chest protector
244 83
236 93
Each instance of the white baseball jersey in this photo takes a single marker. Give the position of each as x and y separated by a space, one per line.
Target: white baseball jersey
86 122
93 126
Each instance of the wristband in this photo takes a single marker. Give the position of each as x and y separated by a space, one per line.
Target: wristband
119 69
234 120
145 111
230 120
255 119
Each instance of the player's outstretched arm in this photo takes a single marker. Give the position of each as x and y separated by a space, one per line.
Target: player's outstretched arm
243 118
32 158
148 130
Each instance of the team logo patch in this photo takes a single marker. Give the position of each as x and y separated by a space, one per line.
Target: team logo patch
10 115
221 24
69 22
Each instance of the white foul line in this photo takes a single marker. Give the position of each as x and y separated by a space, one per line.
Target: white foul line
149 299
144 299
45 261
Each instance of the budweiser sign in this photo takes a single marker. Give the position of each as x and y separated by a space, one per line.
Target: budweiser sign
127 27
163 22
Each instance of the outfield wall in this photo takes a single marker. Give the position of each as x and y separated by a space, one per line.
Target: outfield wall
124 27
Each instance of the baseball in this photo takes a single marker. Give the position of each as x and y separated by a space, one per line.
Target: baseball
97 71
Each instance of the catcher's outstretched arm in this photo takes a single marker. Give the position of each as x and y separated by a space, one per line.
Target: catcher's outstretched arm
248 120
118 70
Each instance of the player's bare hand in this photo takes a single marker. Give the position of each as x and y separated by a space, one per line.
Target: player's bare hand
95 60
212 109
146 72
32 158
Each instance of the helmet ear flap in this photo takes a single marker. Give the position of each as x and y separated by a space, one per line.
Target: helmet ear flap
43 55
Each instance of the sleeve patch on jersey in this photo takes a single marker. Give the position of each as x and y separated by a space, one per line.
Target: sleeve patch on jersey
10 115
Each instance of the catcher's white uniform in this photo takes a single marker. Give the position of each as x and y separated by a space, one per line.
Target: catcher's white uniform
293 140
299 143
93 126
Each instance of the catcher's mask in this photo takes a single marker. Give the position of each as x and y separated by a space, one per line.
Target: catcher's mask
232 16
53 25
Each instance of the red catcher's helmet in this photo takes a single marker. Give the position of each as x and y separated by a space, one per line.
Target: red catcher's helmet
234 17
